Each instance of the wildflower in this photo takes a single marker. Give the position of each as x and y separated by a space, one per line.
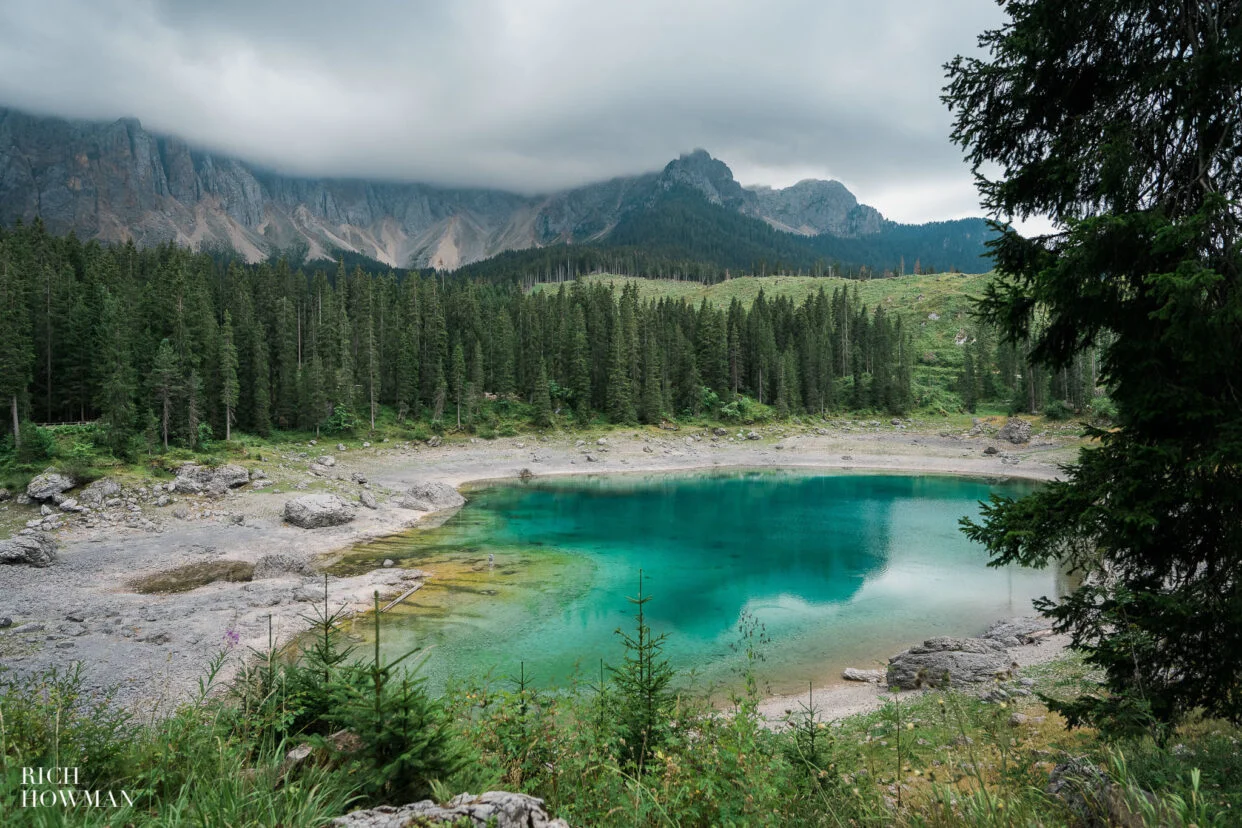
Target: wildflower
231 638
909 725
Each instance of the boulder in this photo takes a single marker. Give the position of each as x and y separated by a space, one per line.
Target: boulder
315 511
428 496
232 475
33 549
434 441
99 491
277 565
49 484
855 674
367 499
1015 430
991 450
195 479
953 662
326 460
1098 802
1015 632
494 808
752 435
5 494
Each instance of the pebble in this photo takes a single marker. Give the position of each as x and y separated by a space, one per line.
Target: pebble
5 622
76 617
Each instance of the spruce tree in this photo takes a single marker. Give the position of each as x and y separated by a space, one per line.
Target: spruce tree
117 379
620 397
230 389
261 390
458 375
579 366
543 399
16 351
165 381
1119 120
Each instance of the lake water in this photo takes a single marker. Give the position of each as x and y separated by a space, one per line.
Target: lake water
840 569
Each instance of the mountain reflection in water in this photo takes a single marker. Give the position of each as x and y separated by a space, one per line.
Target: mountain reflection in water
839 568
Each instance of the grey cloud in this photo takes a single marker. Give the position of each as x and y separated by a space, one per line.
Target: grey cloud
533 95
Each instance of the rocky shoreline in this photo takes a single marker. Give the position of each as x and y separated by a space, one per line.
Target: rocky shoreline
228 527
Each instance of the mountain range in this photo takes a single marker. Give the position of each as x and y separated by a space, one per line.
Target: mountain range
116 181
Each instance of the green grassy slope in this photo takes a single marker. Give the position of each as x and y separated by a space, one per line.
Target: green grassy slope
915 298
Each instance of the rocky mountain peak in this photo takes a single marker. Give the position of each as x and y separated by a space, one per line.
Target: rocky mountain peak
814 206
709 176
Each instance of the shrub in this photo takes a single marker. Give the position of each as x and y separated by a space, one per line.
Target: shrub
1058 410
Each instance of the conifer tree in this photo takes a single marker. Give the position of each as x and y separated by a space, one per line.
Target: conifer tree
458 375
543 399
579 366
230 389
165 385
620 398
16 350
1120 121
261 391
117 385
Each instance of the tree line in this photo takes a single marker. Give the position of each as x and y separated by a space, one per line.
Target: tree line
172 347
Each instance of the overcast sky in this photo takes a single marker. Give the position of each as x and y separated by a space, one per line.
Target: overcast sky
532 95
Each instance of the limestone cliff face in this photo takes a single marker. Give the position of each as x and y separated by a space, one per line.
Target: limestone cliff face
813 207
116 181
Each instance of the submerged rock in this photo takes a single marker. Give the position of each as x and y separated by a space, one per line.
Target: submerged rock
278 564
32 549
429 496
316 511
855 674
494 808
949 662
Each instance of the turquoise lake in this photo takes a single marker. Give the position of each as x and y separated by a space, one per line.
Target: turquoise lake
840 569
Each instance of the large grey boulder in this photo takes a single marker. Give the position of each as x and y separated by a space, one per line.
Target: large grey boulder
1015 430
101 490
432 497
316 511
33 549
1015 632
952 662
494 808
195 479
278 565
48 485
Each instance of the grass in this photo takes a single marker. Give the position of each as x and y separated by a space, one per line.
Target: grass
935 759
192 576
